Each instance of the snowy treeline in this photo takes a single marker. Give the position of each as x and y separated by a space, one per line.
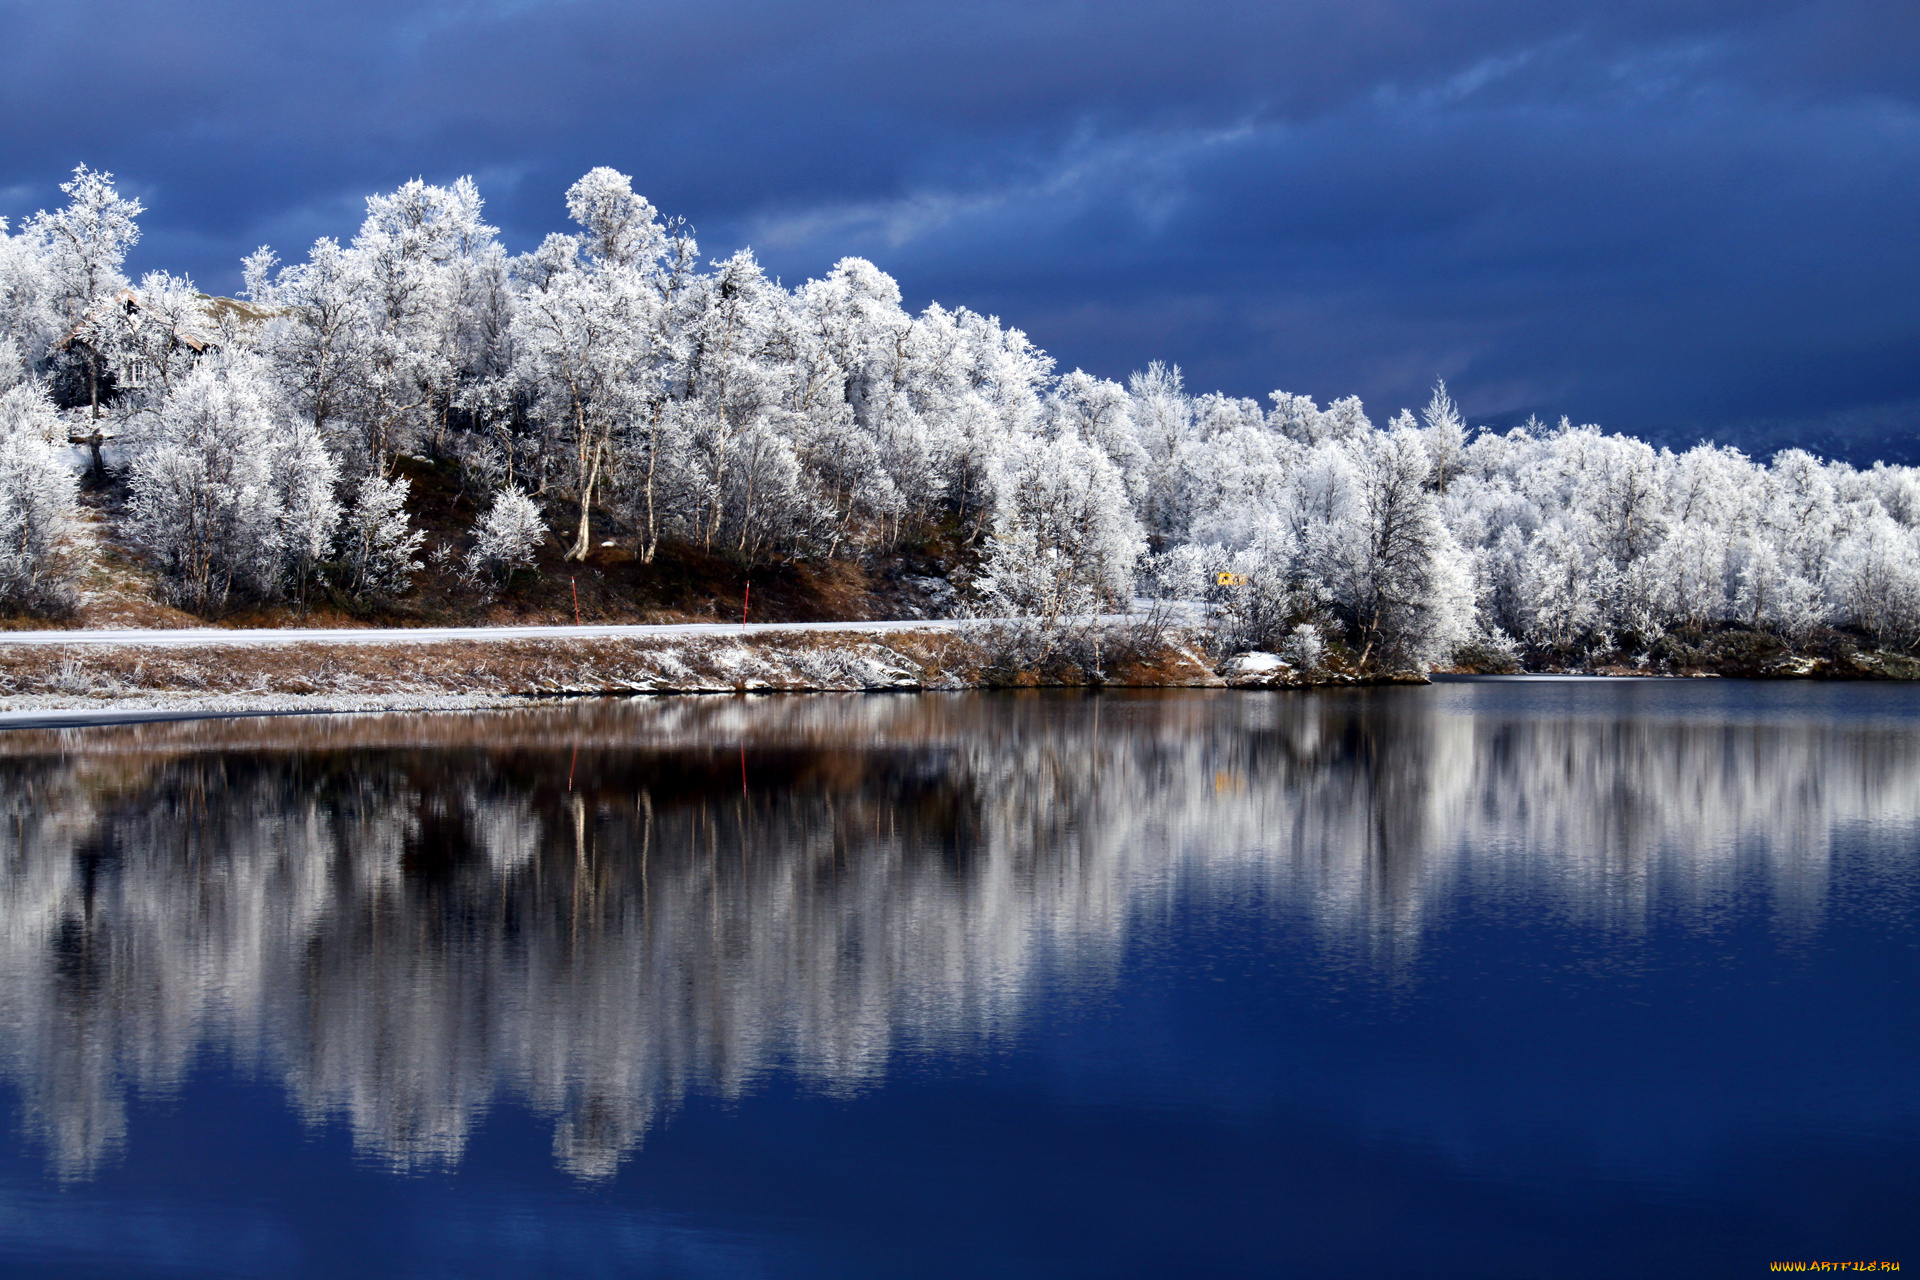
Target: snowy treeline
1558 539
616 386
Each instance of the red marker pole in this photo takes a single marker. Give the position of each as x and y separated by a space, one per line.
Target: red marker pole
743 606
576 598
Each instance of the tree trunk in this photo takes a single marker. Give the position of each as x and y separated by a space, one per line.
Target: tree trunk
583 540
651 542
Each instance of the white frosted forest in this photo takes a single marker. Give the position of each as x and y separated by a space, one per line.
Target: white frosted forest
614 387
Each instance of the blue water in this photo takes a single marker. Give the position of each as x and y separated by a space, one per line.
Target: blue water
1489 979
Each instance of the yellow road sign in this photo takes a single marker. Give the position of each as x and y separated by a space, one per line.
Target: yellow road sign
1230 579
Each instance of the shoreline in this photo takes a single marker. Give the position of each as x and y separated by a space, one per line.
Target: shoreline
123 677
183 674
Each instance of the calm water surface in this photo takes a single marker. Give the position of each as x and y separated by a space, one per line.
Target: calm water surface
1491 979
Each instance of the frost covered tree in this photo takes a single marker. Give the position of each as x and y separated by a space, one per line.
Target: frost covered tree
201 487
381 340
581 339
38 559
1445 436
377 541
305 478
1162 416
315 340
29 323
597 348
1396 574
82 248
406 263
1065 540
1876 580
726 396
1100 413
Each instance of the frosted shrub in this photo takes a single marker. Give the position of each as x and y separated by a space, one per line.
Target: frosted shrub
1488 652
1304 648
506 537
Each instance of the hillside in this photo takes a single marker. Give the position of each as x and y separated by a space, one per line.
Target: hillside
120 588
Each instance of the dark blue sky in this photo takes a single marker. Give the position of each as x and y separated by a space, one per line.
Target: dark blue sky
1677 219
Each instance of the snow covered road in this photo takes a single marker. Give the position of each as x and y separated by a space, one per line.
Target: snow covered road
209 636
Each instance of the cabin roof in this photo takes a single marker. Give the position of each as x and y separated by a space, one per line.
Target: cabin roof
218 309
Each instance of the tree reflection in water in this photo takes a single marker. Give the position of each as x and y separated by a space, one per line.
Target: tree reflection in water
601 907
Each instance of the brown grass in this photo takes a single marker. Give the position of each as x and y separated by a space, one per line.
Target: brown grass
804 660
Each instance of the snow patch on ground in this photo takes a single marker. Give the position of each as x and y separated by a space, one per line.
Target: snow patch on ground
1245 669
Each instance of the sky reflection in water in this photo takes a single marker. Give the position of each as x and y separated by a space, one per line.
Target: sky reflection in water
1480 979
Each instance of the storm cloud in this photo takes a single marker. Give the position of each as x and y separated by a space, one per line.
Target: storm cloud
1681 220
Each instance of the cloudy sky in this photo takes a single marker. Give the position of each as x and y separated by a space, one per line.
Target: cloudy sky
1690 219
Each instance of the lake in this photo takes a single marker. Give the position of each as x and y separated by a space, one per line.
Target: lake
1492 978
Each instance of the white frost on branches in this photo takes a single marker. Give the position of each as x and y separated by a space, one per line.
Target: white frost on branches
1065 540
615 380
506 536
38 563
378 544
211 483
